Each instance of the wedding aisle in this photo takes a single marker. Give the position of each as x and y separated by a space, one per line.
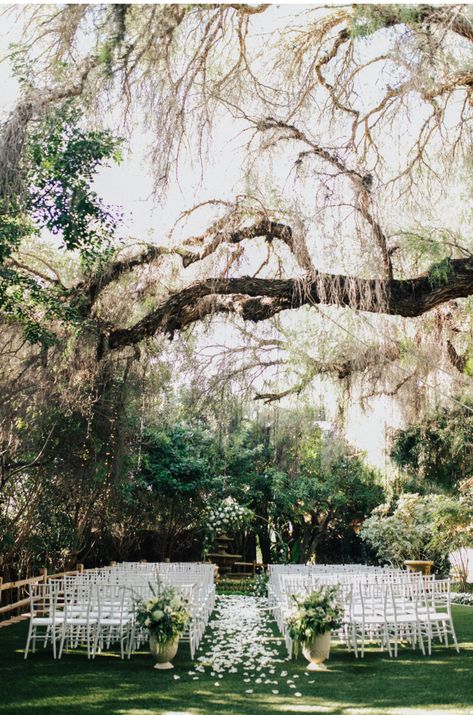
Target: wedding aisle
240 640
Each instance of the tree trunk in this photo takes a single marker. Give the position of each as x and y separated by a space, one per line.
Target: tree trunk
265 545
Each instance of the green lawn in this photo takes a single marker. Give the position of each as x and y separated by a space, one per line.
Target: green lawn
441 684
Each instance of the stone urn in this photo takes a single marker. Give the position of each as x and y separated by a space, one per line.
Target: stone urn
163 653
423 566
317 650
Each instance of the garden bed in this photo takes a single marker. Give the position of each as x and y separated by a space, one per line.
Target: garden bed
236 586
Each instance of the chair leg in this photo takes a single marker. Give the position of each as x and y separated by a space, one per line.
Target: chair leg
95 645
354 641
419 638
28 639
453 634
61 645
88 635
387 640
131 642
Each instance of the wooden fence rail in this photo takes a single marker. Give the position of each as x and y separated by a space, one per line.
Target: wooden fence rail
19 601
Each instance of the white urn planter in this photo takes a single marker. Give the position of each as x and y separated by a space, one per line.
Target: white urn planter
163 653
317 650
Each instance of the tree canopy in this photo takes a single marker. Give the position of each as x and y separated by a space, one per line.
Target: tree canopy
357 182
311 227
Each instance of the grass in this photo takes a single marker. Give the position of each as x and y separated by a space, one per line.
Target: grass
410 685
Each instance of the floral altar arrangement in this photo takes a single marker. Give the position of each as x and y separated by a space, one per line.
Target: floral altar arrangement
165 615
228 514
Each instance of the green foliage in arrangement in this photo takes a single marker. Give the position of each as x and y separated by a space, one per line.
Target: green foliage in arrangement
165 615
260 584
313 614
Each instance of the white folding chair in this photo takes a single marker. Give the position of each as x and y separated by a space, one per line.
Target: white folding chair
45 622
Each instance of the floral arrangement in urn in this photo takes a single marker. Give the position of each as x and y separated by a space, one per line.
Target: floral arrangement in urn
165 615
312 619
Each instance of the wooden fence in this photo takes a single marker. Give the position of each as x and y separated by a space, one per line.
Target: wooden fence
15 594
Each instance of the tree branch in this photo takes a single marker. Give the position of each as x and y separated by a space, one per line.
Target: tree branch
31 107
257 299
362 182
265 227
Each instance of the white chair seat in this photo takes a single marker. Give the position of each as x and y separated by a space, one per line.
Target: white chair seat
46 620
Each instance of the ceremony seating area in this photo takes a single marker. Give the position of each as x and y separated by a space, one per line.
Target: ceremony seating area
236 358
381 606
96 608
239 663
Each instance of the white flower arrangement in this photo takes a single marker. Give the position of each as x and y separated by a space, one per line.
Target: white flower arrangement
229 514
165 615
314 613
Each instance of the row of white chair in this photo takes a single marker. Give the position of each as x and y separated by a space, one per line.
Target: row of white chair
97 608
381 606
